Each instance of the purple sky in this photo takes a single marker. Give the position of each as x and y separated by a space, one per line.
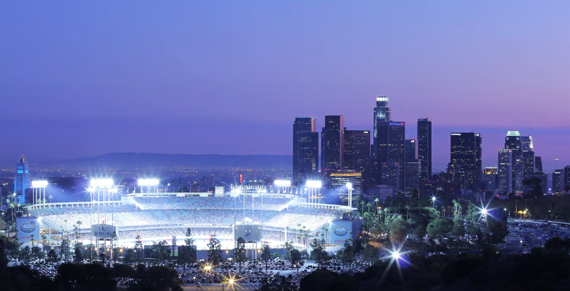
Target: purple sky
82 78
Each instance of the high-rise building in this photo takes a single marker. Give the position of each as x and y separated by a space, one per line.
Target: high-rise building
412 166
505 172
305 149
566 177
489 178
466 156
22 180
528 156
558 180
356 149
390 174
513 142
538 164
390 147
424 147
332 143
381 113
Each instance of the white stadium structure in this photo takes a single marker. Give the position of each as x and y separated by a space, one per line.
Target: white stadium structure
162 216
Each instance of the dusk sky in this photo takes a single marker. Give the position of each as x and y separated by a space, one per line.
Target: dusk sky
83 78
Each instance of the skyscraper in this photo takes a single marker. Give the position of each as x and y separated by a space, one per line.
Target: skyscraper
390 147
505 173
558 180
528 156
332 143
489 178
538 164
22 180
411 166
566 177
305 149
424 147
513 143
466 156
356 149
381 113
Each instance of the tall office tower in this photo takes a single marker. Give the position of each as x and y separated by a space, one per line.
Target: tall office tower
538 164
505 173
332 143
410 148
558 180
489 178
381 113
390 147
513 143
412 165
356 149
390 174
22 180
466 156
566 177
424 147
528 156
305 149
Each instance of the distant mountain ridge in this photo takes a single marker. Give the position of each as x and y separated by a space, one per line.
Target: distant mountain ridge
150 160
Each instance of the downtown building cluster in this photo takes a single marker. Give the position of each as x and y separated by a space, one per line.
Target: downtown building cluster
382 162
379 160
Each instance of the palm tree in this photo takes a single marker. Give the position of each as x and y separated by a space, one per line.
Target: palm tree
376 200
50 198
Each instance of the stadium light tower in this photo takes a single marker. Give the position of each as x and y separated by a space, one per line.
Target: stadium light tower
101 185
149 183
349 187
285 184
314 190
39 190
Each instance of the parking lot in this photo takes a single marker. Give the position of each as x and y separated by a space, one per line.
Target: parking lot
526 234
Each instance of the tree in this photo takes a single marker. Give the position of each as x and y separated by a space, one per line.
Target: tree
439 227
458 227
553 245
160 251
497 226
420 231
214 251
239 252
295 258
266 255
78 254
318 252
398 230
347 255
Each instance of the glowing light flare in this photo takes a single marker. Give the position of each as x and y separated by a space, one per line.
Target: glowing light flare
314 184
282 183
101 183
39 184
349 185
148 182
433 199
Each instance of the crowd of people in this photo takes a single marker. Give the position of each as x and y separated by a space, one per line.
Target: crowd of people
267 202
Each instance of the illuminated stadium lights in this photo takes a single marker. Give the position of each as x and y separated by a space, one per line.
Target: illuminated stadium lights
314 184
282 183
148 182
349 185
101 183
39 184
39 191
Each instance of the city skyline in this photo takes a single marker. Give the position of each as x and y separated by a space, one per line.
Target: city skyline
88 83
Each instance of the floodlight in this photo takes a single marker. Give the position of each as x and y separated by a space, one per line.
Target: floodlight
349 185
433 198
396 255
282 183
484 211
39 184
148 182
101 183
314 184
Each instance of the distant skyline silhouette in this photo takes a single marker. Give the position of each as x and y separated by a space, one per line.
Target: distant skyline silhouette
81 79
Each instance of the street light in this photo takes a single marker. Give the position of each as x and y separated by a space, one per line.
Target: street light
433 199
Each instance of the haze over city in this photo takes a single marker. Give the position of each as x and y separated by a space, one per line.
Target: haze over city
83 79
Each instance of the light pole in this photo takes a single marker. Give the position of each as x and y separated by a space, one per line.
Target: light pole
349 187
433 202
